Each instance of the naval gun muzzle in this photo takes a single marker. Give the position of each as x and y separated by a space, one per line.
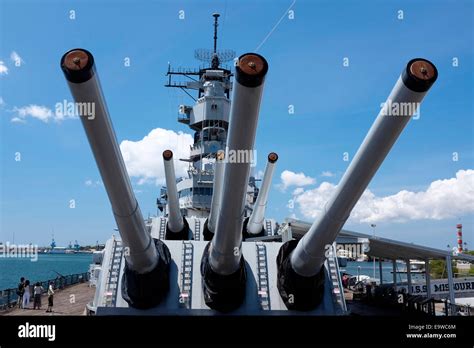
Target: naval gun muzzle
253 226
223 266
211 222
301 264
145 279
177 228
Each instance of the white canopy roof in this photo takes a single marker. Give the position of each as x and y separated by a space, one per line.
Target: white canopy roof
383 247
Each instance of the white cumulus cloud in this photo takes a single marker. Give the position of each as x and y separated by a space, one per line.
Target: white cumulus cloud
297 191
17 120
144 159
289 178
443 199
3 68
39 112
327 174
16 59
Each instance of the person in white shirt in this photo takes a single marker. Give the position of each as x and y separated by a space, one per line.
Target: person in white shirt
37 292
26 295
50 297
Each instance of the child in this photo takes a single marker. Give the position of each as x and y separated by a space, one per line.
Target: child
37 292
50 297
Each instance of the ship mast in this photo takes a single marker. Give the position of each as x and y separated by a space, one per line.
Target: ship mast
208 117
215 58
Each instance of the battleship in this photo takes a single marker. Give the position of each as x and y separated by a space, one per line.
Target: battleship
211 249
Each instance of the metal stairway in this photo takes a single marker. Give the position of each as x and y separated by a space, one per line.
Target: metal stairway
268 227
262 281
111 286
162 228
197 229
186 274
336 283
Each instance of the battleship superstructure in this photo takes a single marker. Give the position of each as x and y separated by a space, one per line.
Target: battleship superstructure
213 250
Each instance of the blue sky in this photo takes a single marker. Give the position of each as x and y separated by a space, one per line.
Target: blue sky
334 105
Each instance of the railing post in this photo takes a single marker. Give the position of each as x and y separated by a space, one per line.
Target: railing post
8 298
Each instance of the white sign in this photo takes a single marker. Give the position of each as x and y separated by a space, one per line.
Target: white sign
441 286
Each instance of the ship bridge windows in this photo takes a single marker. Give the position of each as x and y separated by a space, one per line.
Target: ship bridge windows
213 88
214 133
185 192
210 134
196 191
202 191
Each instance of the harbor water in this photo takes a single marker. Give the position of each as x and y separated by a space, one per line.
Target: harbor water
367 268
44 268
11 269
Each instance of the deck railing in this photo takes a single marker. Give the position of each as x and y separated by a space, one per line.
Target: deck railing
9 297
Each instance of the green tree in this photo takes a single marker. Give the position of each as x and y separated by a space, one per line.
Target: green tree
438 269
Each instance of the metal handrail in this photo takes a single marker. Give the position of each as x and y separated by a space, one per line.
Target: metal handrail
9 297
339 281
452 309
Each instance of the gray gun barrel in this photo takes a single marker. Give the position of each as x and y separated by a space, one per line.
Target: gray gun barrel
79 69
255 223
224 276
175 219
216 191
410 89
224 254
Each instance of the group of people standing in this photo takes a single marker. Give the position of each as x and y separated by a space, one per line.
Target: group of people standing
24 294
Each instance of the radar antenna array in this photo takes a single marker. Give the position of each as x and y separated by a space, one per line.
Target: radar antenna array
215 56
206 55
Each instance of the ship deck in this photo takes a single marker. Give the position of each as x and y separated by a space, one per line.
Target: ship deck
69 301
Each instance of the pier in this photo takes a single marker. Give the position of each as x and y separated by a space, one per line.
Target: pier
71 294
69 301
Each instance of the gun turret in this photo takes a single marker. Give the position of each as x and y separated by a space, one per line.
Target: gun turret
177 227
223 266
145 280
300 264
255 222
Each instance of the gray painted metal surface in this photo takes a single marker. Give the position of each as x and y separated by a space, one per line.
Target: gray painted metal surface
224 254
257 217
103 142
175 219
216 201
254 303
308 256
209 118
383 247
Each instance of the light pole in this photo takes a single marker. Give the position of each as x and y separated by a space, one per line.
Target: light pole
373 227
